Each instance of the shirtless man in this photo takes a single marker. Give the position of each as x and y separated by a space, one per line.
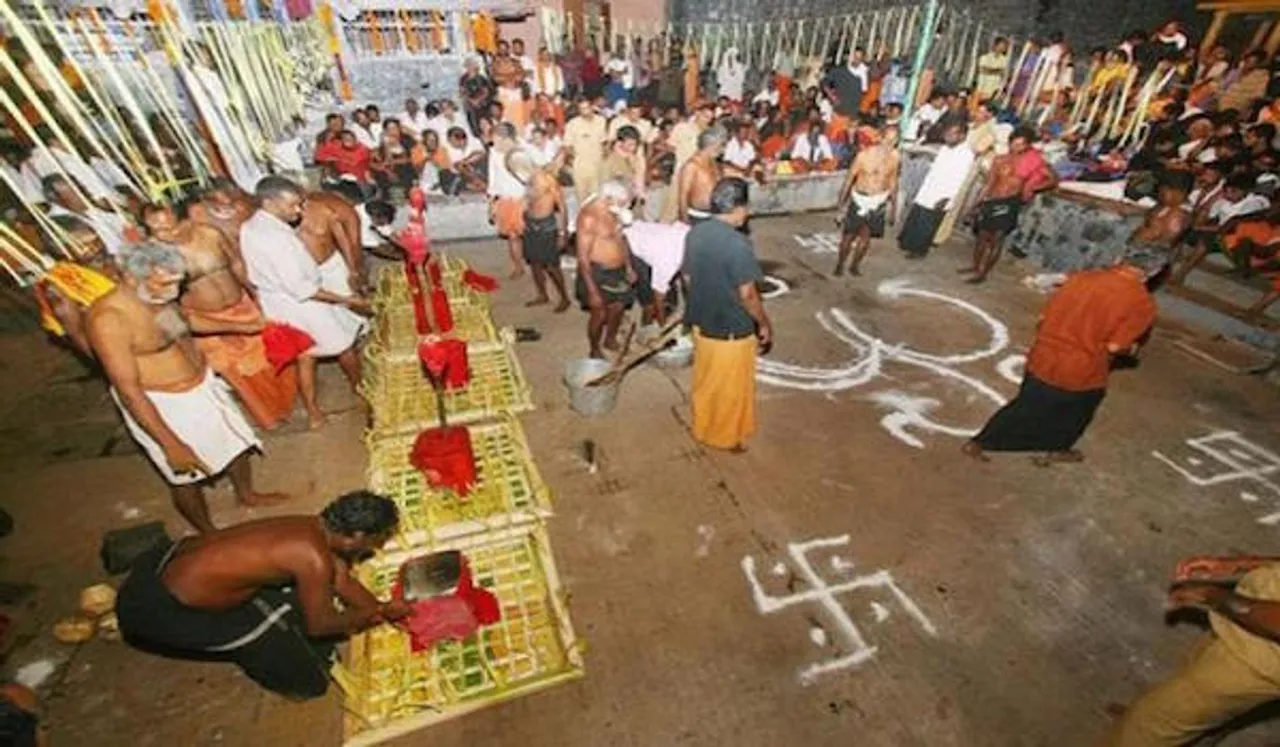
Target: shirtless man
868 195
331 230
605 274
546 230
172 403
996 211
261 594
225 207
1165 224
698 176
60 315
215 291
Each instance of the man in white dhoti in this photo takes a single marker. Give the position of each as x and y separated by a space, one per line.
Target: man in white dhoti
174 406
291 288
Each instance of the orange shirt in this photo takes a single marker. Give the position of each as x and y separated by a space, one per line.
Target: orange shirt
1093 310
773 146
1259 232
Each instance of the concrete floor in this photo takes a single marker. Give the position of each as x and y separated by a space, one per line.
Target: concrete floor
1025 602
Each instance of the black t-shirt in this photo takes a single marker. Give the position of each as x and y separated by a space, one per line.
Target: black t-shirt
718 260
848 89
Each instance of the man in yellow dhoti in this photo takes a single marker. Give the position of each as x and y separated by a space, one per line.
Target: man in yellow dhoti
728 320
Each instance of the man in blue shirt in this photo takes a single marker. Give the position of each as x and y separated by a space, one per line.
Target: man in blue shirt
728 319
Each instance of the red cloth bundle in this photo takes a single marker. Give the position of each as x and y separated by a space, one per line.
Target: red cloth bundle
446 361
445 457
482 283
284 344
454 616
442 311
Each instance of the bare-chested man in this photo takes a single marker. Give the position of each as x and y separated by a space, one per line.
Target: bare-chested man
261 594
172 403
1165 224
605 275
998 206
215 291
698 176
225 207
546 225
331 230
868 195
93 267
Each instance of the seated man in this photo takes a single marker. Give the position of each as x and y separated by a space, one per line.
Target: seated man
810 149
466 157
1237 202
262 594
347 166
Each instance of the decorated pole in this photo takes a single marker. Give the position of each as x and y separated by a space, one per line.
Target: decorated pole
922 55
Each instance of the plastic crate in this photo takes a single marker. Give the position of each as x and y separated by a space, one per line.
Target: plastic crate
401 397
509 491
390 691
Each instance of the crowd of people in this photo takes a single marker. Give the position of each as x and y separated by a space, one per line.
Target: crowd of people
196 297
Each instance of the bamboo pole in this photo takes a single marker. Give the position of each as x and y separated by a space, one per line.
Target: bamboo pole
922 54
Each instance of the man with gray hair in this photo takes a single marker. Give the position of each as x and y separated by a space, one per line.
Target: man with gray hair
173 405
292 291
605 273
698 176
1096 317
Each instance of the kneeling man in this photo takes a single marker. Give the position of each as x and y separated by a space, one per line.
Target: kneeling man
261 594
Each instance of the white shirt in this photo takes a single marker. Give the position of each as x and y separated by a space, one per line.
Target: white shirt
370 138
24 180
526 62
771 97
802 151
1223 211
502 183
544 154
286 155
947 174
457 155
415 123
742 153
621 67
922 120
863 74
109 226
551 83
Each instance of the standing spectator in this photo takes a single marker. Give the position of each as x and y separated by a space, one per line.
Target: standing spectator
1248 84
547 78
731 76
941 185
571 65
477 93
506 195
849 82
591 74
543 147
992 67
517 52
584 139
625 162
728 320
621 80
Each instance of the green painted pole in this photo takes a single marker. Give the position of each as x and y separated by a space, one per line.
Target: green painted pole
927 32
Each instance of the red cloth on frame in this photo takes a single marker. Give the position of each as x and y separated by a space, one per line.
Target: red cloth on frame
453 616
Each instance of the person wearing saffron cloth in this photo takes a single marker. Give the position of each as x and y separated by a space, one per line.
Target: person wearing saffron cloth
215 290
177 410
728 319
262 594
291 288
1095 317
506 195
1232 669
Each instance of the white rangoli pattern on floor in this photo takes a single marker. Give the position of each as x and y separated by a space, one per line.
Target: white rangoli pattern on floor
852 648
1227 457
908 412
